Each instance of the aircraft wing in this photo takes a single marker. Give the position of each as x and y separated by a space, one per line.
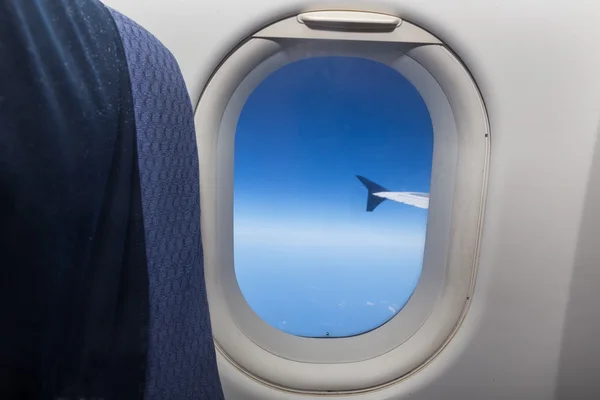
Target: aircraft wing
414 199
378 194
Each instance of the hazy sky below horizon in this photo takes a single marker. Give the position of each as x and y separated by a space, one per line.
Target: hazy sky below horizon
309 259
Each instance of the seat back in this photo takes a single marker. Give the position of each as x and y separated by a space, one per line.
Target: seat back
102 291
181 355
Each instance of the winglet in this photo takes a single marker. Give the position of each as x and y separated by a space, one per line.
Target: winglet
372 200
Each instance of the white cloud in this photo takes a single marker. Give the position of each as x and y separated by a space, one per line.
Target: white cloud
370 303
326 234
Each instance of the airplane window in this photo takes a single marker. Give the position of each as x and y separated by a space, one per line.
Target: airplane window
333 160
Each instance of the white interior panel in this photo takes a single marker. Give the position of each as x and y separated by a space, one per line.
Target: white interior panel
530 330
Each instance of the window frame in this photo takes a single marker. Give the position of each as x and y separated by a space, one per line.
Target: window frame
430 318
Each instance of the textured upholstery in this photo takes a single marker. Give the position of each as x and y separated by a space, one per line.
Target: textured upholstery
181 355
102 292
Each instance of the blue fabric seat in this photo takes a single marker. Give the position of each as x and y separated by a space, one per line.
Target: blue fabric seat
181 359
102 292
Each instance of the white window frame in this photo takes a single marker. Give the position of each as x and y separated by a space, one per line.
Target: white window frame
459 171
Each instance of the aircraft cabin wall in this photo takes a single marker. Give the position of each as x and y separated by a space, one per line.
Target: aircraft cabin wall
529 216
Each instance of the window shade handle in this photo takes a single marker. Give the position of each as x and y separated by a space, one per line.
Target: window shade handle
349 21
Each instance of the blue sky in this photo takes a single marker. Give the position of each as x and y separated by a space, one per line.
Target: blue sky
309 259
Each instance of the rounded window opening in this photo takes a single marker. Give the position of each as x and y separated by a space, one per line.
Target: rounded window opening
332 170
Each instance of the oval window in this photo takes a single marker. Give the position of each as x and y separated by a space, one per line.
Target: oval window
332 170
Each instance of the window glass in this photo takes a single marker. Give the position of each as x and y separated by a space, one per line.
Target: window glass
333 163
